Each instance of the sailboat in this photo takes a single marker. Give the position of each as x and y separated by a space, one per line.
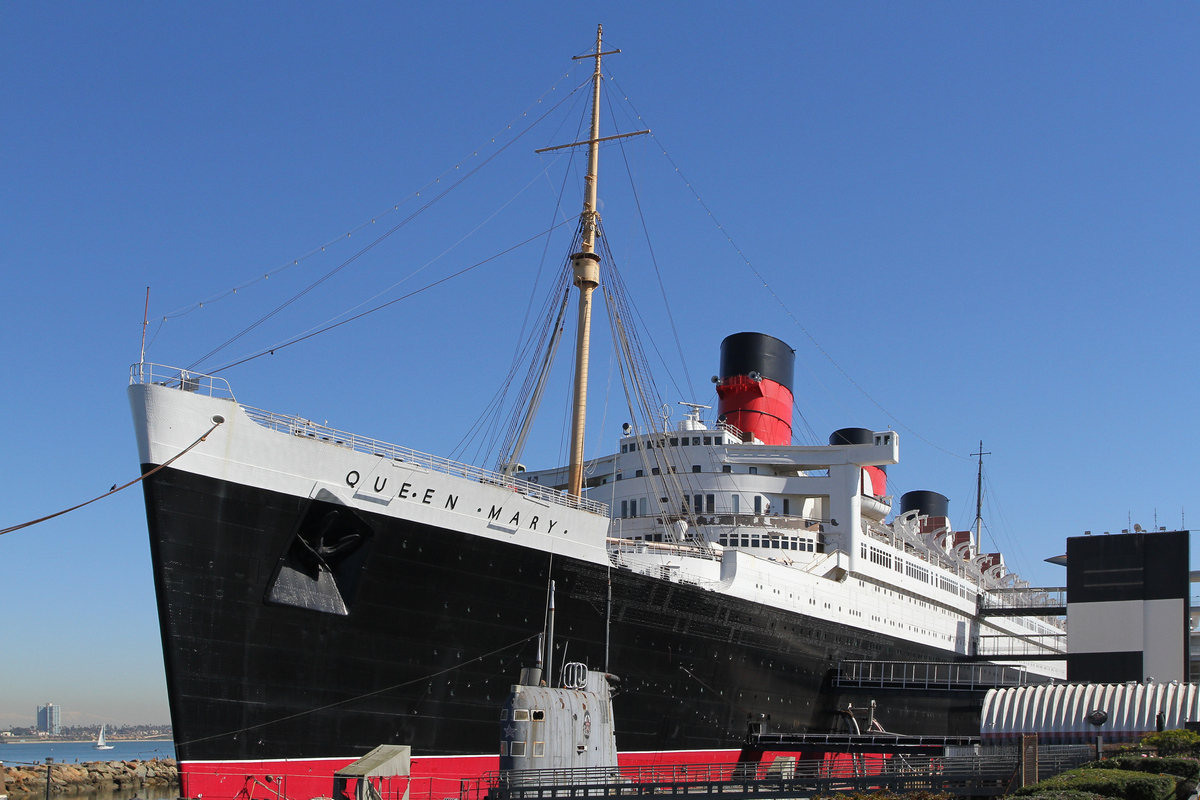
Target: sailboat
100 743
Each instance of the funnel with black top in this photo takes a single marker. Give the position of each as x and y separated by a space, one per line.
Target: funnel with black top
755 386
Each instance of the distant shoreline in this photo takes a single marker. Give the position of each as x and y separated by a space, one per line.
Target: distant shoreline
82 741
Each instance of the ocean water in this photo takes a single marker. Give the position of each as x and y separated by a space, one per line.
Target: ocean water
77 752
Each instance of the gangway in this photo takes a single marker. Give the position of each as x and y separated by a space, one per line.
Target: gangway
1024 601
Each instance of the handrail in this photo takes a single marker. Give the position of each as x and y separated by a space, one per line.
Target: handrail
176 378
299 427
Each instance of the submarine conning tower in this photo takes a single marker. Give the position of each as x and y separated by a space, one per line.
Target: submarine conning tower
755 386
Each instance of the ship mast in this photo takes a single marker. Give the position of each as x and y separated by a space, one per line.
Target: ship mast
586 266
979 498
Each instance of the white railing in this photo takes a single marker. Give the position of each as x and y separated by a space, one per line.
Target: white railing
307 429
175 378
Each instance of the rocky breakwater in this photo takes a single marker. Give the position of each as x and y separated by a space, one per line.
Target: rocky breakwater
89 777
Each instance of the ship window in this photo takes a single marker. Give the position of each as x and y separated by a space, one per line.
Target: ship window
539 749
674 441
650 444
638 473
624 448
696 441
698 503
724 541
754 540
642 507
695 467
794 545
633 508
737 503
718 440
517 749
618 476
624 508
504 748
757 503
745 540
754 470
686 500
710 503
775 543
684 441
786 507
538 715
655 471
520 715
708 440
503 714
726 468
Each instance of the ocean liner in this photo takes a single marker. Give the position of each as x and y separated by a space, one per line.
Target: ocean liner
321 593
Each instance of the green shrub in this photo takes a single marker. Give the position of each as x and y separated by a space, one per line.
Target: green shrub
1188 768
887 794
1118 783
1065 794
1176 741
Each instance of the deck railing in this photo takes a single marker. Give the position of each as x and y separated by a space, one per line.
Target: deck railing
307 429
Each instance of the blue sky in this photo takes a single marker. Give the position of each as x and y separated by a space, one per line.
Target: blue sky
985 213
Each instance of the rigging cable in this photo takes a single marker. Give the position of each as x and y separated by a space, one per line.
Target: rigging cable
779 299
348 700
190 308
116 489
637 200
381 238
327 328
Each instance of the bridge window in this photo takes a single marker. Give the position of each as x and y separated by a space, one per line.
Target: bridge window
504 748
708 440
517 750
718 440
520 715
674 441
624 448
538 715
638 473
539 749
655 471
696 441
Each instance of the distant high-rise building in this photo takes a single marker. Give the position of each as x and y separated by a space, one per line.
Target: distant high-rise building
47 719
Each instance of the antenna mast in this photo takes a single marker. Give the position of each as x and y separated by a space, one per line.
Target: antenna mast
979 498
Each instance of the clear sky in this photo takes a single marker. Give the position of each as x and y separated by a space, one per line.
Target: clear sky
986 214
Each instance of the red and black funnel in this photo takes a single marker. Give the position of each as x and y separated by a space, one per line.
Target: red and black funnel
755 386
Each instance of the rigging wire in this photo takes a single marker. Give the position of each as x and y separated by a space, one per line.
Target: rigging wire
395 207
364 696
776 296
433 260
381 238
327 328
653 259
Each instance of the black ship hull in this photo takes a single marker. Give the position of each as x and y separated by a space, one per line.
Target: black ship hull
438 624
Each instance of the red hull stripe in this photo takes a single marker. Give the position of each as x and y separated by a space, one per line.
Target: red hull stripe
432 777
